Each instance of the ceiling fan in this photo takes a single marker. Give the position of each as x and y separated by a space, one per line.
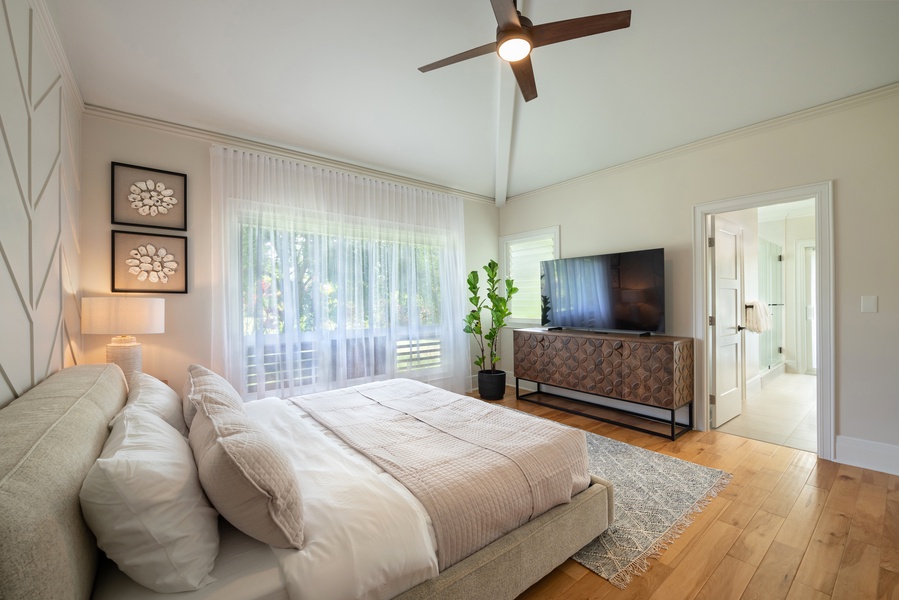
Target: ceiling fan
516 36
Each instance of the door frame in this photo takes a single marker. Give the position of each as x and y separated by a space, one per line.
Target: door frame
803 349
822 193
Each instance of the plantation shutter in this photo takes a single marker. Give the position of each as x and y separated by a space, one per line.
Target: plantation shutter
523 254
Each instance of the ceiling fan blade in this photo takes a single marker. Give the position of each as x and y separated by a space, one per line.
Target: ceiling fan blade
506 14
479 51
524 74
562 31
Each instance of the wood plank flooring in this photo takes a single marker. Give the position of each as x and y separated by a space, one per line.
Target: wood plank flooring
789 526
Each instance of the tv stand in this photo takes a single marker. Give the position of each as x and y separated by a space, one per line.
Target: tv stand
655 371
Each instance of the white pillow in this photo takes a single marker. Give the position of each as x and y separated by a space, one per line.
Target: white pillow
142 499
148 393
201 380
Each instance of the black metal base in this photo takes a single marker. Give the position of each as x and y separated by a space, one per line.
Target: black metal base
675 432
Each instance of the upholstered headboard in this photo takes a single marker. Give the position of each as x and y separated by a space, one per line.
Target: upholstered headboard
50 437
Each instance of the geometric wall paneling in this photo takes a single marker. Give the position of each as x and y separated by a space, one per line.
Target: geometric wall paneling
44 75
19 17
45 234
47 320
14 228
39 231
71 311
13 125
15 327
45 142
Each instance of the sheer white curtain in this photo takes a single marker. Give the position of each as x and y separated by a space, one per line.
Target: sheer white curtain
332 279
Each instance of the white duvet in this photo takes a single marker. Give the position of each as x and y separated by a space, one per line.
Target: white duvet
367 536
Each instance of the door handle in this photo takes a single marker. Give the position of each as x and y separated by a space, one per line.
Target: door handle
740 328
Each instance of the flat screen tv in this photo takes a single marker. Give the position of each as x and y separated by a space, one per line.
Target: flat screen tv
621 292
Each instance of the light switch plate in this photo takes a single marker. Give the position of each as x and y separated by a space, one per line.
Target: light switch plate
869 304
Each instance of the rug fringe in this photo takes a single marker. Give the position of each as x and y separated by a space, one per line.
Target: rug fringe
641 564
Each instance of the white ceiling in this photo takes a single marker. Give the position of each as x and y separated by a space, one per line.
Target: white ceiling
339 78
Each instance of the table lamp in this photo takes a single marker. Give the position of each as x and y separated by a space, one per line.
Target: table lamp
122 317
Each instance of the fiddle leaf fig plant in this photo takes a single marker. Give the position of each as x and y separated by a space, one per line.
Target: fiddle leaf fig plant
498 307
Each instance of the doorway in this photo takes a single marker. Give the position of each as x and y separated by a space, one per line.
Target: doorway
812 345
779 400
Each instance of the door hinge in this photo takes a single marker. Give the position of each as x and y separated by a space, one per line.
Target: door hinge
711 399
711 242
780 258
712 321
780 349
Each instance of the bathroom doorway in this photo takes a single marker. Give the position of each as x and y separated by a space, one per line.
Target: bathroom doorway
779 403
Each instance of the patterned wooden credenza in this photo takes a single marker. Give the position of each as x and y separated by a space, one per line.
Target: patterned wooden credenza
653 370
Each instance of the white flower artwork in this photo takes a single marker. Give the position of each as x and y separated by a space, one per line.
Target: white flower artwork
149 263
151 198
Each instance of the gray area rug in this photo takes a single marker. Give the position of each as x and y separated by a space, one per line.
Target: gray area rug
656 497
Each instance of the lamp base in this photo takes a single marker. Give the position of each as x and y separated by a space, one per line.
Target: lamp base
125 351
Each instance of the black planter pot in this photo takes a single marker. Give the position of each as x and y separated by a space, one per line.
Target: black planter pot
491 384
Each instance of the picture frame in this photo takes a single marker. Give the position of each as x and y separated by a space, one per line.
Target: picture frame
165 257
148 197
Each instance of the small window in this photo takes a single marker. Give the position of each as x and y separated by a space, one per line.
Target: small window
521 255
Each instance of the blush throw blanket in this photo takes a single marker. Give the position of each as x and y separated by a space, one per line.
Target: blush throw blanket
479 470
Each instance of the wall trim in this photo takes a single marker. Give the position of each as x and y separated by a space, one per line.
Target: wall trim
775 123
268 148
877 456
57 54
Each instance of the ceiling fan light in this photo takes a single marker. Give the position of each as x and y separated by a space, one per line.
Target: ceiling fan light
514 48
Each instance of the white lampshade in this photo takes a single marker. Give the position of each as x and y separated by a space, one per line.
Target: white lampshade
122 317
116 315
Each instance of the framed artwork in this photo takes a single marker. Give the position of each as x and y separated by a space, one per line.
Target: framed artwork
149 262
148 197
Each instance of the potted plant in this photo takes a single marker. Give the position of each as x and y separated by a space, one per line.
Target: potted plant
491 381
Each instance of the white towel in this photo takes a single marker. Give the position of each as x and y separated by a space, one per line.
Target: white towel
757 317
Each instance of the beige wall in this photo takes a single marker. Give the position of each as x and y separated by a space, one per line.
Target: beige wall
187 317
39 197
481 246
650 202
188 327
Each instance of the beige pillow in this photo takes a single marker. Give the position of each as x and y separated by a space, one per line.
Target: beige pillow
246 476
201 380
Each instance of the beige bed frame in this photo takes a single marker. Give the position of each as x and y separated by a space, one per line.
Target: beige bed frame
52 435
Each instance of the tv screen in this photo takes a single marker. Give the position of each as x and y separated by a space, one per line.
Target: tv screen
607 292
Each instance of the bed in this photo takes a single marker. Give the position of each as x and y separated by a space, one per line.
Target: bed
52 438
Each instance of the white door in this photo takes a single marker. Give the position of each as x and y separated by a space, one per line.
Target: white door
727 308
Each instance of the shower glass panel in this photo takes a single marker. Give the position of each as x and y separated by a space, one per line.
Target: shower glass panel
771 293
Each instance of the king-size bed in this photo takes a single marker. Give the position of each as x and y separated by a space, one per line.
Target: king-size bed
388 490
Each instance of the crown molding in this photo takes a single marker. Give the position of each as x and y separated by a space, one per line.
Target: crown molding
775 123
45 25
274 150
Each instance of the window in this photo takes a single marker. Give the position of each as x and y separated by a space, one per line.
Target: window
357 290
521 255
331 279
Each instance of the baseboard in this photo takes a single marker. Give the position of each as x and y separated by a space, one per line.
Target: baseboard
754 385
877 456
773 373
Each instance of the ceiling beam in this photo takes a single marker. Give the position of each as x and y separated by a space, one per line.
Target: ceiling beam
505 119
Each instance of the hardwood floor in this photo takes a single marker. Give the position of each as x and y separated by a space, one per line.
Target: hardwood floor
789 526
